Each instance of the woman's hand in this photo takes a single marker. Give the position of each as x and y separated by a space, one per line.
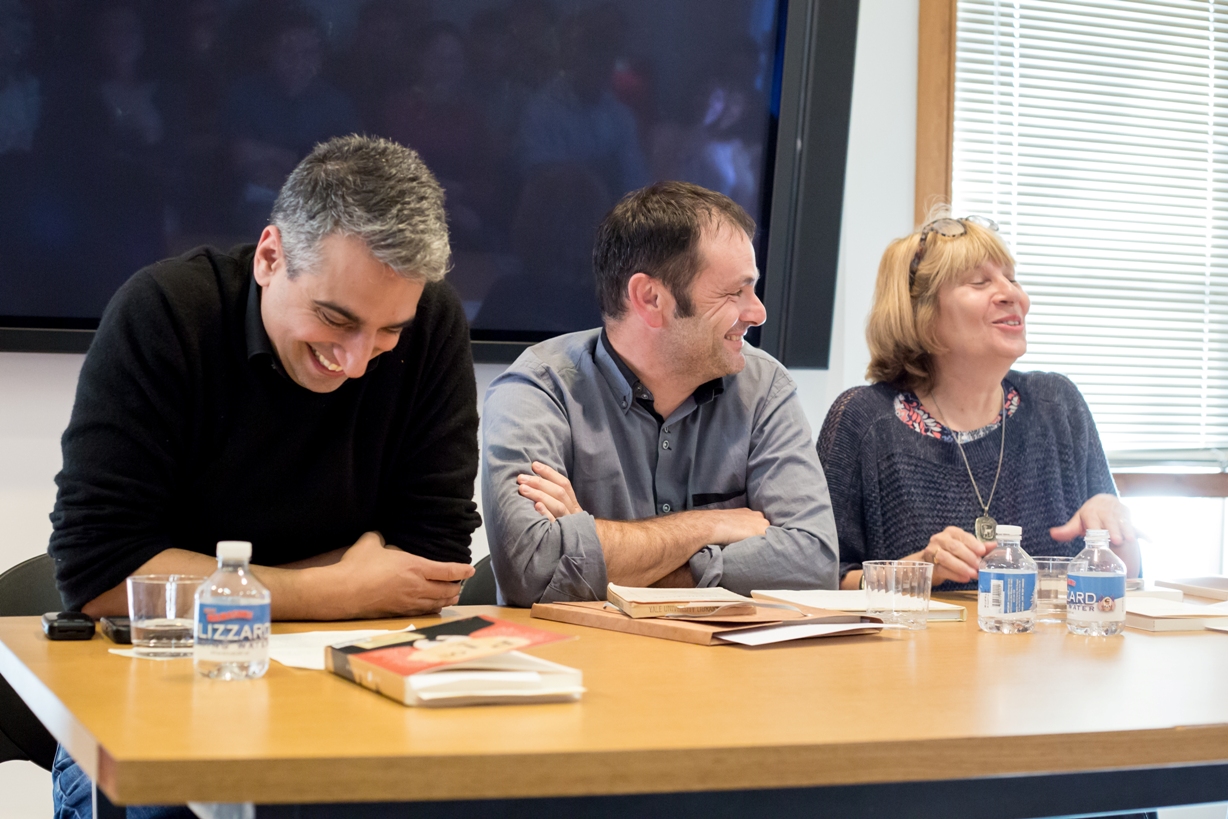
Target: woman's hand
1105 512
956 555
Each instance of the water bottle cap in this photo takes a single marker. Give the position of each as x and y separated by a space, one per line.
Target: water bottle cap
1094 534
1009 531
234 550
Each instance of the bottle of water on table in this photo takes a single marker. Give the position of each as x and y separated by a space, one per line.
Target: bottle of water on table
1096 589
232 618
1006 599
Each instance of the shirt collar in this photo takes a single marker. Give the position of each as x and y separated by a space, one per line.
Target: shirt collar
635 388
259 346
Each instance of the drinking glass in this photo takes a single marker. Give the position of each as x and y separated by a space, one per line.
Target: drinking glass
160 607
1051 588
898 591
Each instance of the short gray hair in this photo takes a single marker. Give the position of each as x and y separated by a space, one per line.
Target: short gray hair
372 189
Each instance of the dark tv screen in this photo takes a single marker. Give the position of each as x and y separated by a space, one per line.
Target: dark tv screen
133 131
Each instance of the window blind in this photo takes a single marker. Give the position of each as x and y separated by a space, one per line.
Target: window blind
1096 134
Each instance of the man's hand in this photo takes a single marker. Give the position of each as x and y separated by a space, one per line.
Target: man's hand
1105 512
375 580
956 555
732 525
550 492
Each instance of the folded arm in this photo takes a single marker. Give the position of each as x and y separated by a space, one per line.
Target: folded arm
785 482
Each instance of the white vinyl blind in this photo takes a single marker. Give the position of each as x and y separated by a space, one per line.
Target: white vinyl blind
1095 132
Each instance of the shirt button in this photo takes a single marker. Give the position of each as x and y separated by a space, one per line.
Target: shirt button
665 445
665 507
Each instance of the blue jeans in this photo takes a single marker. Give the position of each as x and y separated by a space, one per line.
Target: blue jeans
72 792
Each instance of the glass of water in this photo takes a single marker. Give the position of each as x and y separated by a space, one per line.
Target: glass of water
898 591
160 607
1051 588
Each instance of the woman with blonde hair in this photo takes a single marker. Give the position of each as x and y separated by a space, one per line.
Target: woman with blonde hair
948 437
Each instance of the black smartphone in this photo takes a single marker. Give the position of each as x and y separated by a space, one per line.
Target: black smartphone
117 629
68 625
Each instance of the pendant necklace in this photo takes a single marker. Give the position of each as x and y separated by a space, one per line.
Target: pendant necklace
986 528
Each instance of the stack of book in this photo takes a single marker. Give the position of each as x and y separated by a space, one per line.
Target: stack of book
706 616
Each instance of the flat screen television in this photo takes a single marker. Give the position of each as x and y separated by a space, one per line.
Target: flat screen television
133 130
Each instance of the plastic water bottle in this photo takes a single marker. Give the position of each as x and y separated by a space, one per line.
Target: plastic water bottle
231 640
1007 586
1096 589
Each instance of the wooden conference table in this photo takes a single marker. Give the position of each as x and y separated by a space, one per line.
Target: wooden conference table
853 722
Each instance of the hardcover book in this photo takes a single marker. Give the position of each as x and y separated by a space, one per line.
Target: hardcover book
471 661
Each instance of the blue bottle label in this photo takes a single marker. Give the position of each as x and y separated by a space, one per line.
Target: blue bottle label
231 632
1096 597
1006 594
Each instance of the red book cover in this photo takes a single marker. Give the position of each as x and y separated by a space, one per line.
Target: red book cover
456 641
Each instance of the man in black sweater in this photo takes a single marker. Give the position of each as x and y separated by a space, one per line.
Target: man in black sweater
313 394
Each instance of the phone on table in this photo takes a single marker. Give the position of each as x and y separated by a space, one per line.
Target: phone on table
68 625
117 629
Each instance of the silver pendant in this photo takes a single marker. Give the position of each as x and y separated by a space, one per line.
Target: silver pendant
986 529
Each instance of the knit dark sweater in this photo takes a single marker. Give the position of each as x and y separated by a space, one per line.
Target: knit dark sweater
185 431
892 487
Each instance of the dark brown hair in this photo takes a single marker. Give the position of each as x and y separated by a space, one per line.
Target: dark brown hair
656 230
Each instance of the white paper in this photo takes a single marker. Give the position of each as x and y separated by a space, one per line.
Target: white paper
306 649
1161 608
791 631
844 600
1218 625
129 652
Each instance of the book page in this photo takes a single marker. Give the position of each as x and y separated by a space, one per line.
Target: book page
1161 608
636 594
844 600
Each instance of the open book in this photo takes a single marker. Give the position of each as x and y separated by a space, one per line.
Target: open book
853 600
470 661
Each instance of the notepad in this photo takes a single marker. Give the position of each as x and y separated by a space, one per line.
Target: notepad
853 600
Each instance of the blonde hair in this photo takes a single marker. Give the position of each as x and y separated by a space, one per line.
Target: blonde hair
900 329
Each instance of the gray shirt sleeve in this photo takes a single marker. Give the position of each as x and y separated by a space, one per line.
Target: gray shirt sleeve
785 482
534 559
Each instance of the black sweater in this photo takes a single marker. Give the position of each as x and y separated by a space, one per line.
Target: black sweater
185 431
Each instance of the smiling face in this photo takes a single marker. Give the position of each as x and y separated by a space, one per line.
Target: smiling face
708 343
328 323
981 317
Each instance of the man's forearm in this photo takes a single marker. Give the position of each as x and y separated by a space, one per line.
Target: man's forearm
297 593
641 552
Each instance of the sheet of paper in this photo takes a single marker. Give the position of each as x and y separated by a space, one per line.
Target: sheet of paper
1159 607
800 631
128 652
1218 625
845 600
306 649
636 594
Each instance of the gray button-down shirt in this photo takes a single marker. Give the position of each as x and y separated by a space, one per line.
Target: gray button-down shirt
566 403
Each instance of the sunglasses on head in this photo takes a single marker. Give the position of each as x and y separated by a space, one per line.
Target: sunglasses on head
949 228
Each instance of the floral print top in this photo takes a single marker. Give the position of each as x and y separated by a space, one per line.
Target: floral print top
909 410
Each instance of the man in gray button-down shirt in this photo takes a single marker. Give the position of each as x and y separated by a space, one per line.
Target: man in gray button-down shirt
660 449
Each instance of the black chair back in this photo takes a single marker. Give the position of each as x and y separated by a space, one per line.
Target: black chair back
26 589
480 589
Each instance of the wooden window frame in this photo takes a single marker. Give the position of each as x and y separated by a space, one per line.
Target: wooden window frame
935 145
